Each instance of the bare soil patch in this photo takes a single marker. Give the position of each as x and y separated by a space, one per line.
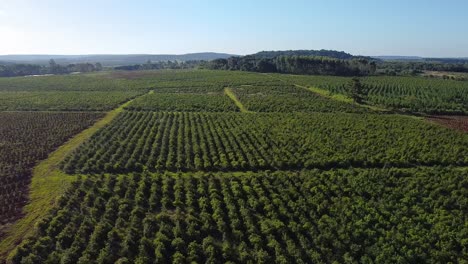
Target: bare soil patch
453 122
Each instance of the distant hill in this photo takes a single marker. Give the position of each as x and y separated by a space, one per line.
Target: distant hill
111 60
6 63
447 60
321 53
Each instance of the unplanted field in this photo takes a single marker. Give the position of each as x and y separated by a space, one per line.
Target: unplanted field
453 122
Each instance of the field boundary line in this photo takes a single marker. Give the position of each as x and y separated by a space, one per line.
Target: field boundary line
48 183
230 94
337 97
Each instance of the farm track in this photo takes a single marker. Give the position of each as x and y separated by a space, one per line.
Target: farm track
47 184
238 103
337 97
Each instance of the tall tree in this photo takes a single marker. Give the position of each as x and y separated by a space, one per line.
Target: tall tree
357 91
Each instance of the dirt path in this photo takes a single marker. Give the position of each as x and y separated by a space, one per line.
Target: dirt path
47 184
238 103
453 122
324 93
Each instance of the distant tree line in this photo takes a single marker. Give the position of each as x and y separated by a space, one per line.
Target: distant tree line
161 65
416 67
312 65
12 70
317 53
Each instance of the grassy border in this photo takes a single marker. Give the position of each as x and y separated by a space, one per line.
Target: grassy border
47 184
234 98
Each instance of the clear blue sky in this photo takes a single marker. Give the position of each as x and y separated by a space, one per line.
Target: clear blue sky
366 27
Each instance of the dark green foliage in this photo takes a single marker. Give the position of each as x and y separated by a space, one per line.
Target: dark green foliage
136 141
343 216
26 138
319 53
295 65
357 91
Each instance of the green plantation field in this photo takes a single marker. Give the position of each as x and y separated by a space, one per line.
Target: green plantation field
92 92
342 216
82 82
221 141
289 98
200 166
26 138
178 79
415 94
64 101
180 102
419 94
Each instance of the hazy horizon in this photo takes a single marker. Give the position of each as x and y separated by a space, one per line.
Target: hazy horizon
396 28
179 54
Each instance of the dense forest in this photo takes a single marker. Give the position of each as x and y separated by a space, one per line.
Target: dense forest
415 67
296 65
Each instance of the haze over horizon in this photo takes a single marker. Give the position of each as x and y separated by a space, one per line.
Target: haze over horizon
396 28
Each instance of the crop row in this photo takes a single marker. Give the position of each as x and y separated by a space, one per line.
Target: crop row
289 98
64 101
200 78
189 102
339 216
26 138
157 141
